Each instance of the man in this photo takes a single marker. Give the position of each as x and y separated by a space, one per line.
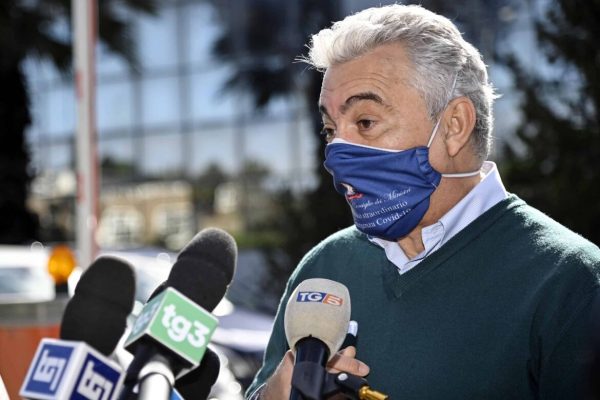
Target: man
460 290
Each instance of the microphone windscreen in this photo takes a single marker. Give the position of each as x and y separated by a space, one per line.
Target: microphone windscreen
318 308
204 267
158 290
97 312
197 383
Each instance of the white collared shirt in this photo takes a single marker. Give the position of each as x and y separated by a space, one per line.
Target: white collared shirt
481 198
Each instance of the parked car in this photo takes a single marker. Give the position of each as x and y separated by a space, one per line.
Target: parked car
29 274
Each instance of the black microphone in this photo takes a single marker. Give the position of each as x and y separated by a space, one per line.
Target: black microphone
197 383
202 272
97 312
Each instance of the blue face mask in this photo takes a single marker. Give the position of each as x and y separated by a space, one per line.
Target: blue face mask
387 190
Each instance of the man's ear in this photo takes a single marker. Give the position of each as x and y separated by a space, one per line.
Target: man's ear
460 120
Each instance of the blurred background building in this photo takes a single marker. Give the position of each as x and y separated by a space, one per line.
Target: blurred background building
171 126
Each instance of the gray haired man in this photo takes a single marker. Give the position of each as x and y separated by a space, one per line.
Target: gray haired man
460 289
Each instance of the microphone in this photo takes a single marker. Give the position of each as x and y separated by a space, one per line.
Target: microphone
97 312
316 321
197 383
93 322
172 332
64 369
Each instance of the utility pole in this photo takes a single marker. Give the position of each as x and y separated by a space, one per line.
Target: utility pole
84 48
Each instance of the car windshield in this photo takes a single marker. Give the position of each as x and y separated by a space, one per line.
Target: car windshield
23 283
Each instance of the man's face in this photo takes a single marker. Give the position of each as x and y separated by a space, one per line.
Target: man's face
368 101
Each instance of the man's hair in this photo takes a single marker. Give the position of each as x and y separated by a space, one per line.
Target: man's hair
435 47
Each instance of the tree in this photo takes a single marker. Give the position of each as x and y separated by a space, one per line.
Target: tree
262 39
27 29
205 185
553 163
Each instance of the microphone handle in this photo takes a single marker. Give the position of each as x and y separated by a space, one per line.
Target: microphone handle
142 355
156 380
309 380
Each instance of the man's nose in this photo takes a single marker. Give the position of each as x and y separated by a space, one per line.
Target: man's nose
344 132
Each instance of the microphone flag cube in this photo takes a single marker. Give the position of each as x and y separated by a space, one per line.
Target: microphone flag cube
64 369
177 323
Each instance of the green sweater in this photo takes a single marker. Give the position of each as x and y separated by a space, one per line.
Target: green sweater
499 312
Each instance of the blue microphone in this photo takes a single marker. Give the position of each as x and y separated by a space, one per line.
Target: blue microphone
64 369
78 366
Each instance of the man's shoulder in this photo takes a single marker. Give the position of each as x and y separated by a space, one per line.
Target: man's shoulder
343 237
536 238
336 254
342 241
545 232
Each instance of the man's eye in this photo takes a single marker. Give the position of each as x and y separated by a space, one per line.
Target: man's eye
365 124
328 133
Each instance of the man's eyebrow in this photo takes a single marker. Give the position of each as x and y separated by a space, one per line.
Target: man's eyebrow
350 101
323 111
369 96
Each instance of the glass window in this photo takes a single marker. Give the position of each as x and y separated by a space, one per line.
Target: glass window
59 156
162 154
120 225
61 110
287 148
109 63
114 105
209 100
160 100
173 219
40 70
269 143
280 107
120 149
204 30
213 145
116 157
157 39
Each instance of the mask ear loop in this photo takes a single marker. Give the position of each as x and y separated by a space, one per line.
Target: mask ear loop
456 175
435 128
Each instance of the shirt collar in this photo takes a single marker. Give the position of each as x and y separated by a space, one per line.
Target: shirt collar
488 192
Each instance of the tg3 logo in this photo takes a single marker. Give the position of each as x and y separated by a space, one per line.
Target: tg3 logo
179 327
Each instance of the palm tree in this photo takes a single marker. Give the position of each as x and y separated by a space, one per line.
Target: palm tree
262 39
27 30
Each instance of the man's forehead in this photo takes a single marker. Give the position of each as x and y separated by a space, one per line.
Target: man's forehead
375 88
386 65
